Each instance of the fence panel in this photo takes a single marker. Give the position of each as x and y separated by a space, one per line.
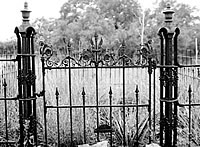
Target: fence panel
8 100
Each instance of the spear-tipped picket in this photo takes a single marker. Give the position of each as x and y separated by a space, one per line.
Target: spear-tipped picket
110 97
83 92
6 116
190 90
4 83
110 91
190 94
137 114
84 119
136 91
57 93
58 125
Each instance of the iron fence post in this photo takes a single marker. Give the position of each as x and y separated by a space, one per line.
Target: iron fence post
21 140
26 76
168 81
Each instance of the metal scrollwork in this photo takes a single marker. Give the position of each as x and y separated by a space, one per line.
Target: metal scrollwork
45 49
69 61
47 52
96 55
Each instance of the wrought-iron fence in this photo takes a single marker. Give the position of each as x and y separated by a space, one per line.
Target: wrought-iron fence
8 100
122 85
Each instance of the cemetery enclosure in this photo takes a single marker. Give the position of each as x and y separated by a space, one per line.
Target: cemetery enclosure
71 99
80 97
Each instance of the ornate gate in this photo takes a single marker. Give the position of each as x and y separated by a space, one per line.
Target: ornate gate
101 85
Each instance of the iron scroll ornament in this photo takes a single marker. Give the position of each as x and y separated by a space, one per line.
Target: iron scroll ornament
96 55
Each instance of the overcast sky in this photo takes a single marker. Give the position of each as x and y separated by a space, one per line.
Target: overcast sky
10 15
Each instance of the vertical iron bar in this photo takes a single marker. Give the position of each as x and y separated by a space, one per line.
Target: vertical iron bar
124 116
97 100
110 97
175 107
177 32
28 71
25 68
190 95
168 91
19 51
44 101
96 50
84 124
34 90
150 72
58 120
70 94
29 84
137 115
6 113
154 101
161 34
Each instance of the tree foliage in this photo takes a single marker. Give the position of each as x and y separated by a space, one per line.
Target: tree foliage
183 18
115 21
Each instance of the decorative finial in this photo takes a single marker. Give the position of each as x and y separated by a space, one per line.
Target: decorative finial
168 6
168 14
25 14
25 6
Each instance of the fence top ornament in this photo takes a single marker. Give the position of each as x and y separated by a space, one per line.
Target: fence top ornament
95 56
168 29
168 12
25 15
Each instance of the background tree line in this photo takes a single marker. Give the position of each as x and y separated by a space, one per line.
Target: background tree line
115 21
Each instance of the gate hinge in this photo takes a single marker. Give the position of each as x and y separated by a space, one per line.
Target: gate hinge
40 94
